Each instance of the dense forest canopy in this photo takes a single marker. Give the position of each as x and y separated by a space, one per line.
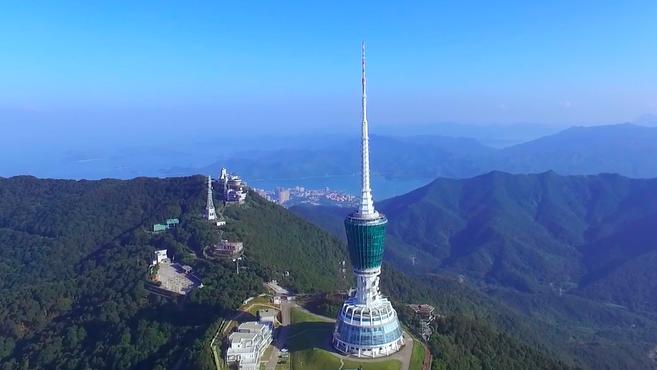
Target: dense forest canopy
74 259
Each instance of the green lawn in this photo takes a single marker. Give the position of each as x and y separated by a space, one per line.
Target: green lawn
417 357
254 308
297 316
309 334
383 365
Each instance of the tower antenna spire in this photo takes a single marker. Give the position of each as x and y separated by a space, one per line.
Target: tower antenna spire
366 203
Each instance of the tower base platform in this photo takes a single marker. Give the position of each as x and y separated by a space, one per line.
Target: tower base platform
367 331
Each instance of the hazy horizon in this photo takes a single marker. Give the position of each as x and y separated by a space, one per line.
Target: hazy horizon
99 80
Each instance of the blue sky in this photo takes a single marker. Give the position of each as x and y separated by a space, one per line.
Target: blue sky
100 68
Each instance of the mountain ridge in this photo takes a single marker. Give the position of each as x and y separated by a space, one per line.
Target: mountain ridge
622 148
569 242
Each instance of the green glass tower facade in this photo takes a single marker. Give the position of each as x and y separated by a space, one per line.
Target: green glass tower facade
365 238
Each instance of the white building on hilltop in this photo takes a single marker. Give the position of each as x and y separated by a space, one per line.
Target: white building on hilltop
160 256
248 344
233 188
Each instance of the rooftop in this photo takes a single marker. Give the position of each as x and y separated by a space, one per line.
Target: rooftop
267 313
250 327
422 308
239 337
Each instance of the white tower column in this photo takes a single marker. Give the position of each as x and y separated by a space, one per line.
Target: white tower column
366 208
367 287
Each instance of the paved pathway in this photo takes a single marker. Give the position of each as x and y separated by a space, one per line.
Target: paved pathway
281 337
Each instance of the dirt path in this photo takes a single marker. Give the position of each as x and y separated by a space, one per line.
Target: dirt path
428 358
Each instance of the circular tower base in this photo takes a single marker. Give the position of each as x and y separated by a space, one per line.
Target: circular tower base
367 331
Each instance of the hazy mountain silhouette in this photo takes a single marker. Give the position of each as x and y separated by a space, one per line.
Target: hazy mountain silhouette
626 149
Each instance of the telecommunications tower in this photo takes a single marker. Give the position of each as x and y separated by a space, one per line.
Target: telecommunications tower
210 212
367 325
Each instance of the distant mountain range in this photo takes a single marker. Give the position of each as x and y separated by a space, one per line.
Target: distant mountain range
626 149
579 252
493 135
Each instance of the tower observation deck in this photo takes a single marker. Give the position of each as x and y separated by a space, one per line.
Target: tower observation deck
367 325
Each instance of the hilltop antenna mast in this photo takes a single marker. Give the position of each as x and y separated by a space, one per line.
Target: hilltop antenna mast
366 208
210 212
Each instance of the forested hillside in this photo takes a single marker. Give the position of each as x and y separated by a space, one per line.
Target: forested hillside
475 331
279 241
572 253
74 263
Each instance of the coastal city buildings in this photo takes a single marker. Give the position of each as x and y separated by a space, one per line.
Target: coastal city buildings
289 197
367 325
283 195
